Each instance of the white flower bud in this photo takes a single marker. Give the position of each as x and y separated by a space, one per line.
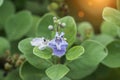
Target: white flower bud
65 39
63 24
54 18
50 27
59 23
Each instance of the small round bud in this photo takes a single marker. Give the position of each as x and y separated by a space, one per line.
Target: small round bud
59 23
63 24
18 63
22 57
15 56
7 53
50 27
65 39
54 18
7 66
53 6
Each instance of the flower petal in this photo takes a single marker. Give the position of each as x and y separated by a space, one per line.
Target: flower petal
36 42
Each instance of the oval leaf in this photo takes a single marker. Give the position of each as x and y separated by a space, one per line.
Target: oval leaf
111 15
1 2
64 78
28 72
109 29
69 30
1 75
33 30
43 26
56 72
103 39
85 30
4 45
18 25
45 54
26 48
113 58
6 10
74 52
88 62
13 75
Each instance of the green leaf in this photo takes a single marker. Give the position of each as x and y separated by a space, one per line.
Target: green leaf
103 39
64 78
109 29
28 72
85 30
1 2
113 58
43 30
37 7
33 30
103 73
88 62
18 25
1 75
13 75
111 15
4 45
6 10
26 48
45 78
74 52
56 72
69 30
45 54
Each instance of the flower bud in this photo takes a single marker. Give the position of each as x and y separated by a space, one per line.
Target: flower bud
65 39
53 6
50 27
22 57
18 63
7 66
15 56
63 24
54 18
59 23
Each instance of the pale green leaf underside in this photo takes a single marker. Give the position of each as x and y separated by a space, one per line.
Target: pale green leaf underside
56 72
74 52
45 54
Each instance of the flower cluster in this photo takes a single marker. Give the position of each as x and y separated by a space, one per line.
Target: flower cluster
58 44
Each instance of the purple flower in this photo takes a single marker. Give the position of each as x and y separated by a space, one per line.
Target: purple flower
58 44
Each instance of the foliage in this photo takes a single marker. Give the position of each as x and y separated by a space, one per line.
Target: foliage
86 53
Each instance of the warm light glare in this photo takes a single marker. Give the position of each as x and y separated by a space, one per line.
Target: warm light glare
93 7
81 14
90 3
98 2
